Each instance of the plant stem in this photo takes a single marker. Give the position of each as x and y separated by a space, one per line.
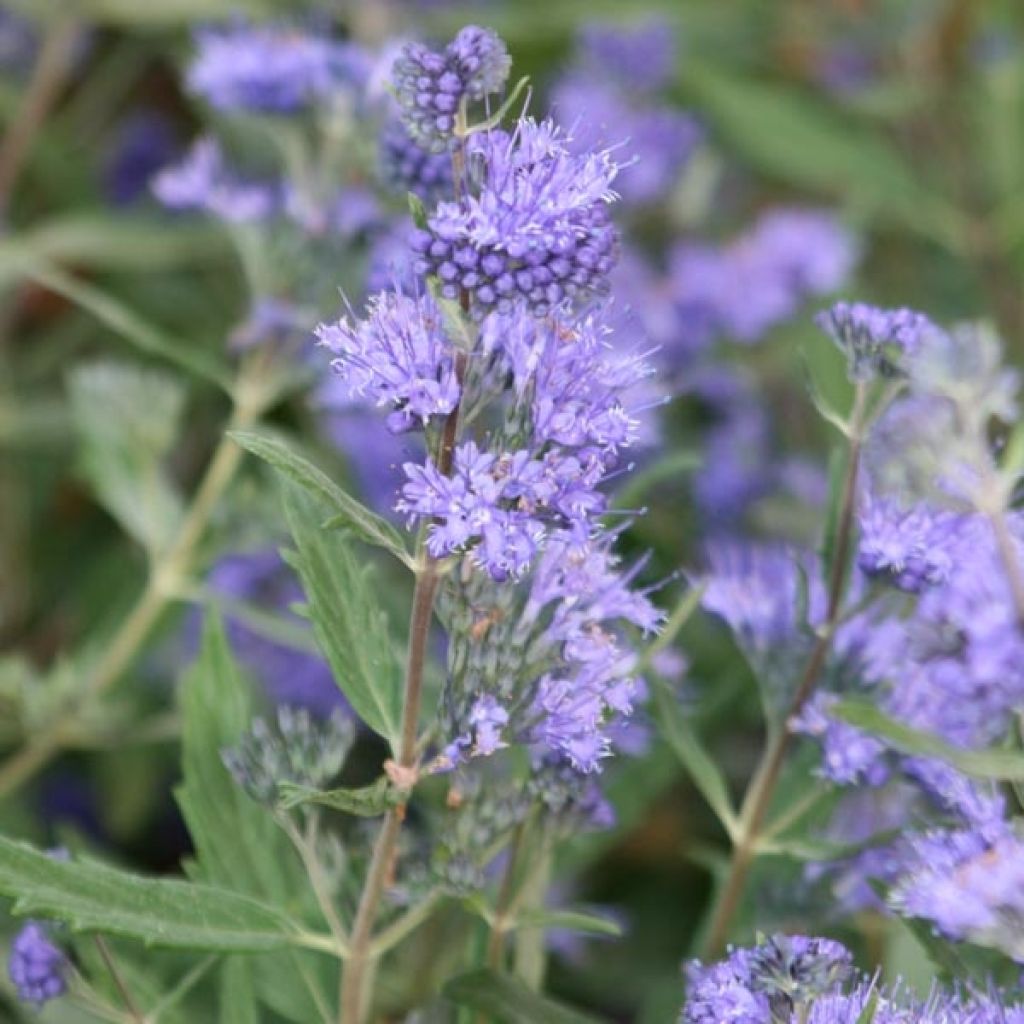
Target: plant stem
48 76
496 942
126 997
1011 564
759 794
382 859
166 576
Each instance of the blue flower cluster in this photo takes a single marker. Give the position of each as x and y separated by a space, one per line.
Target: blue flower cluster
496 328
535 228
273 69
793 979
36 966
432 86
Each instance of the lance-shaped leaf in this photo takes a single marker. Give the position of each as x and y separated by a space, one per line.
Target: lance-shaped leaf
341 509
979 764
350 627
127 419
366 802
506 1000
92 897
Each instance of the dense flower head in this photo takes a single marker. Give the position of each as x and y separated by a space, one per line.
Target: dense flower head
876 342
270 68
766 984
756 590
431 85
571 378
398 356
535 227
567 394
406 166
203 181
639 56
818 985
747 286
969 884
576 599
37 968
298 748
911 548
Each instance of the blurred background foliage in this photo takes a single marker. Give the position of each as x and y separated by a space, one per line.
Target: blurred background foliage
905 116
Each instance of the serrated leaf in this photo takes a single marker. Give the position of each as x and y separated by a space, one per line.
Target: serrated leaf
979 764
349 625
365 802
682 738
506 1000
342 508
568 919
167 913
237 844
789 134
126 419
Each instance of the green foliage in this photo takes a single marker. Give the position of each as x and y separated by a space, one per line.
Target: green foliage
342 510
506 1000
1001 765
237 843
92 897
350 627
790 135
127 419
366 802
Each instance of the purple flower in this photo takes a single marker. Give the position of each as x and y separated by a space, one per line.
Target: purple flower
745 288
639 57
482 738
145 142
431 86
910 548
535 229
969 885
270 68
654 143
36 966
757 590
768 983
202 182
876 342
399 355
405 166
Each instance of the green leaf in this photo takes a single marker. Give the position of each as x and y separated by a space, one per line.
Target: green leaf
350 627
366 802
117 317
837 463
237 993
683 740
127 419
92 897
506 1000
979 764
132 243
417 210
343 509
237 843
569 919
792 136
